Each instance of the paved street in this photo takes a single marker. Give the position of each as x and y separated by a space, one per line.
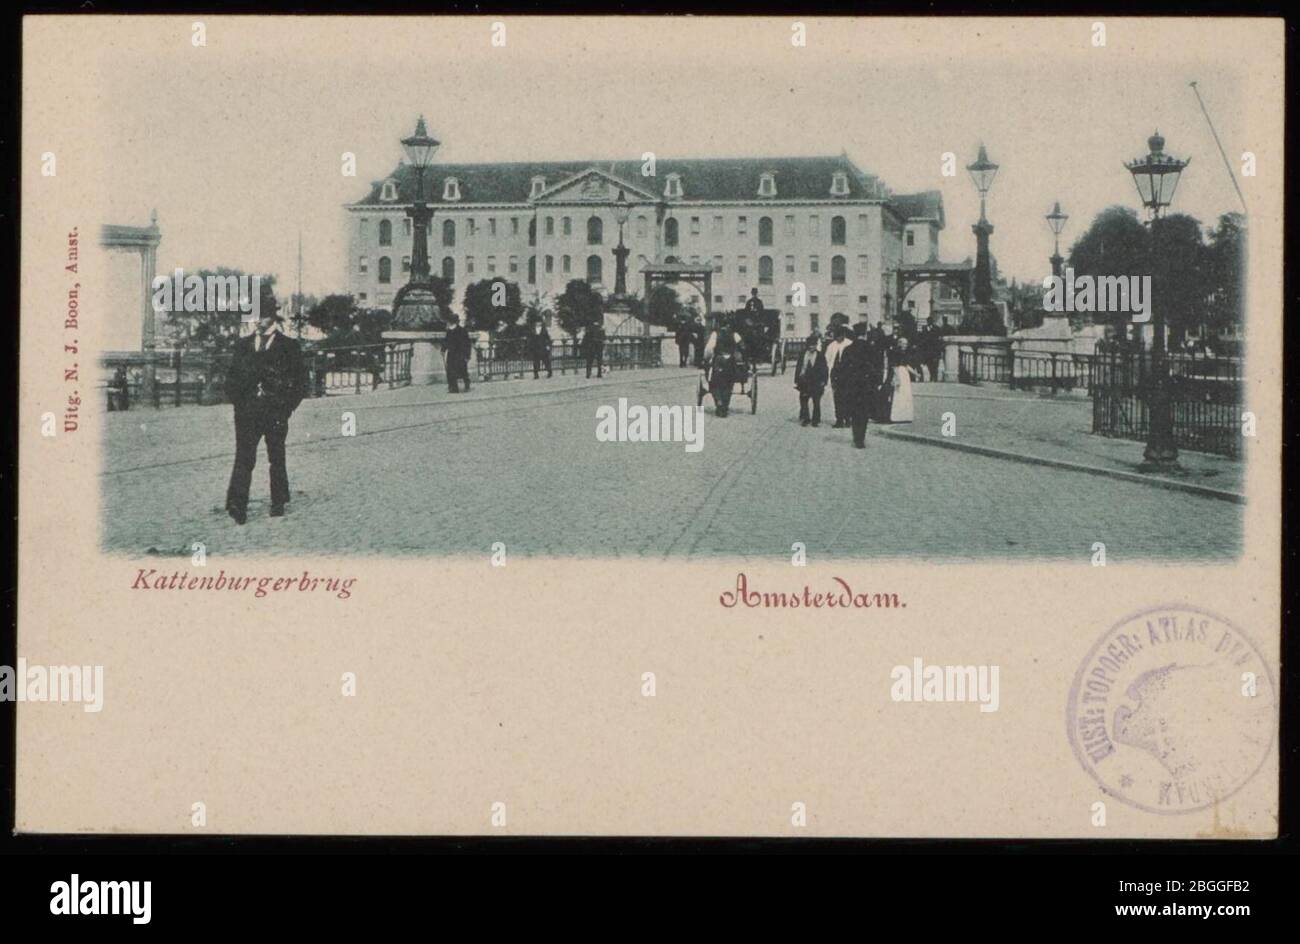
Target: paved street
519 462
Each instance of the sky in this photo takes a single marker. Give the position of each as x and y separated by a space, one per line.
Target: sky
238 144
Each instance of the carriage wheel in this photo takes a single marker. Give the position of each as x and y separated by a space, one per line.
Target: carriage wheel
699 393
753 394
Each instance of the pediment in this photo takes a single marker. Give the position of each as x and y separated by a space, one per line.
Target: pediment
593 186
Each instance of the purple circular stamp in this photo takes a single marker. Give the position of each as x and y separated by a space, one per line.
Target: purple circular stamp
1173 710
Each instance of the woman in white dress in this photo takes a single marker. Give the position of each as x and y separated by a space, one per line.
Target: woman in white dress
902 373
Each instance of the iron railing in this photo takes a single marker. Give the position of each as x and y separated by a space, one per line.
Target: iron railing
511 357
199 377
1207 392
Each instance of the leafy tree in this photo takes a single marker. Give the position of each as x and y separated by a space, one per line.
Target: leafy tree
1115 244
664 307
1226 272
578 306
216 328
332 314
492 304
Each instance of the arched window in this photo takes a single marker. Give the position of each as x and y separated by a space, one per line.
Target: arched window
765 231
594 270
670 232
837 270
385 232
532 270
764 270
837 231
449 232
595 231
385 270
532 231
448 269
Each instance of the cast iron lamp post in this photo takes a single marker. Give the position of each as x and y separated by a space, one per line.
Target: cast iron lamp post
621 212
982 173
414 305
1156 177
1056 220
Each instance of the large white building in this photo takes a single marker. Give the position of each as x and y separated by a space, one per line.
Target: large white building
774 224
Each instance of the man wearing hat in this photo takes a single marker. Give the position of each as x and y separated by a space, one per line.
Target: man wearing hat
267 381
810 380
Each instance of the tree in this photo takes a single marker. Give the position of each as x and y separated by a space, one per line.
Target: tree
1226 272
216 328
492 304
1179 280
1026 303
1115 244
332 314
664 307
578 306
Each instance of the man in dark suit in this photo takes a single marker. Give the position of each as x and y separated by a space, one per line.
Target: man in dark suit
456 345
539 346
683 336
863 365
267 381
593 347
810 380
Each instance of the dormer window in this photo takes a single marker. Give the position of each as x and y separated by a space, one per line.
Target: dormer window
451 189
767 185
389 191
840 184
673 188
539 184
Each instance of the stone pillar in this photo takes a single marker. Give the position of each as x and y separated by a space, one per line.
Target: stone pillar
427 364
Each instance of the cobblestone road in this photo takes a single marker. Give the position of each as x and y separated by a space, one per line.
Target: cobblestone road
519 463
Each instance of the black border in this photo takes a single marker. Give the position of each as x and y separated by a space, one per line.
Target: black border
113 845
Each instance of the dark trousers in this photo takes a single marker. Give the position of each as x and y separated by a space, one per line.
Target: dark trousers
457 370
814 395
540 360
597 358
683 354
721 398
837 400
859 409
251 426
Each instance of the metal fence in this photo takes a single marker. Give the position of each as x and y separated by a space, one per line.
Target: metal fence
359 369
1206 391
199 377
501 359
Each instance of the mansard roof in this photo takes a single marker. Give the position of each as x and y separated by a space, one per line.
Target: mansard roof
711 179
926 205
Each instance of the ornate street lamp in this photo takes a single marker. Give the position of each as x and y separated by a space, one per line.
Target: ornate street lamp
1156 177
414 304
621 213
982 173
1056 220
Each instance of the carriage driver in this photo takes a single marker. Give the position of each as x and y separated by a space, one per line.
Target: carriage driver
724 360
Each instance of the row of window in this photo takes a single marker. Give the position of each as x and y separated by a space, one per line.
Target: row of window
766 267
672 186
596 228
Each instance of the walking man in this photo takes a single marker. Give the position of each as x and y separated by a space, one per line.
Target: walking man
593 348
683 337
267 381
810 380
539 346
834 350
456 346
862 364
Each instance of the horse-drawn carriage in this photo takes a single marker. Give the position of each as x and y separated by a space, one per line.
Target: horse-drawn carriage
731 369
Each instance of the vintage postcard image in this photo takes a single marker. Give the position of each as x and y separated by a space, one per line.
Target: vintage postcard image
764 426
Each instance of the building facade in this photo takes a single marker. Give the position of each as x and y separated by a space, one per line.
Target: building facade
816 236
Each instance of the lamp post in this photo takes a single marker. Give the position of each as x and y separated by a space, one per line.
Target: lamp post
415 305
1156 177
1056 220
982 172
621 213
